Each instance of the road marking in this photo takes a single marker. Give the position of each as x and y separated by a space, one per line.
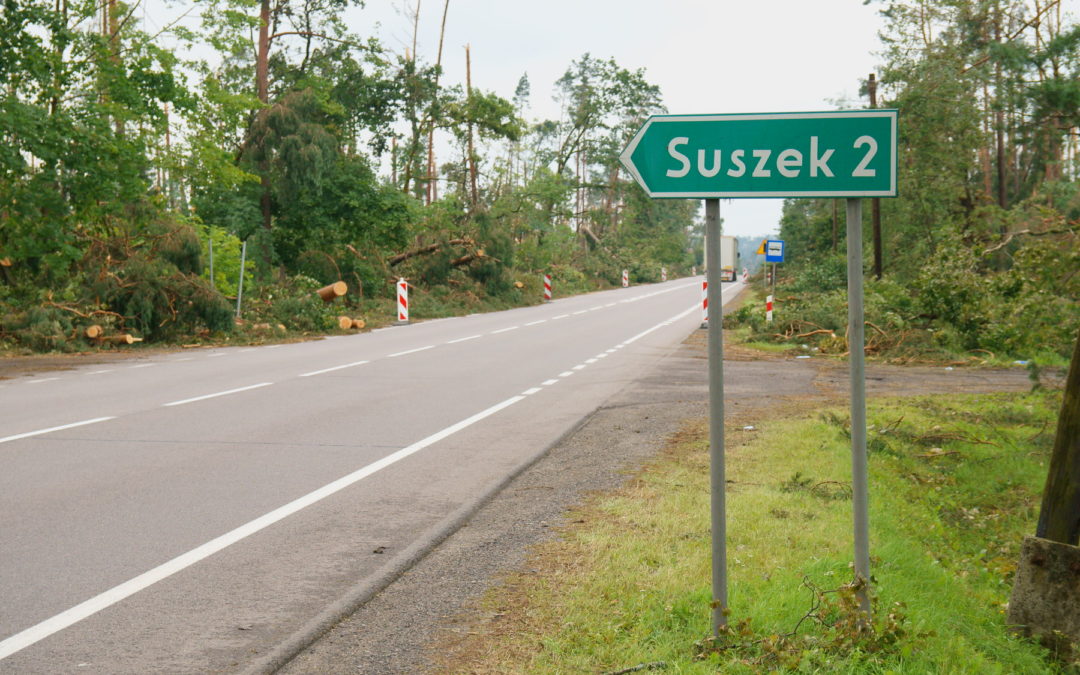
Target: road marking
42 379
271 346
580 366
561 316
611 351
659 325
602 355
548 383
249 349
610 304
327 370
215 395
471 337
530 392
566 373
98 372
582 311
533 323
593 309
503 330
590 360
186 358
410 351
210 356
67 618
28 434
145 365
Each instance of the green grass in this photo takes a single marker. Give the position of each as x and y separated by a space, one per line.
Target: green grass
955 483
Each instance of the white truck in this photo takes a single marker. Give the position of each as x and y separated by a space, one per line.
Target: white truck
729 258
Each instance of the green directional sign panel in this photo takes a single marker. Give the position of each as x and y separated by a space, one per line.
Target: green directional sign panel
813 154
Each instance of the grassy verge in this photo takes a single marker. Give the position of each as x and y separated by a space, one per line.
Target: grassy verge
955 482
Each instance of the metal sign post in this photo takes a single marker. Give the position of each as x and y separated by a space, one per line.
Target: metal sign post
716 415
857 365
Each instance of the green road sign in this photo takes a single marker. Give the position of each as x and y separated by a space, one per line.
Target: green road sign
817 154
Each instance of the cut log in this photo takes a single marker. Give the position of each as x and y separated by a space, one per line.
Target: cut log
344 322
94 331
121 339
334 290
357 324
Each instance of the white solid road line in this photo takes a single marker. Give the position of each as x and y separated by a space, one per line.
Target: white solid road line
43 379
328 370
215 395
24 639
28 434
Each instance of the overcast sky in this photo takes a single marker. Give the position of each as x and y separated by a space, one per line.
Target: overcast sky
707 56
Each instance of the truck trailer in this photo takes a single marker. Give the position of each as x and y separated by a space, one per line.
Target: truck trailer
729 258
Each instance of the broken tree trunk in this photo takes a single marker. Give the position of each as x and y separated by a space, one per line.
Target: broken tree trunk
1045 598
467 258
425 250
1059 516
333 291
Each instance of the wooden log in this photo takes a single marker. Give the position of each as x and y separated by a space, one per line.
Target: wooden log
357 324
94 331
121 339
344 322
334 290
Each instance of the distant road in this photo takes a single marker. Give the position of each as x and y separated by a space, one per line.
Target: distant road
190 512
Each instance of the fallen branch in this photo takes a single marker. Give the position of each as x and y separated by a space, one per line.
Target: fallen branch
425 250
820 331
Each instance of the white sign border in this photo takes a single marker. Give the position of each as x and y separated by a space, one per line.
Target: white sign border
891 113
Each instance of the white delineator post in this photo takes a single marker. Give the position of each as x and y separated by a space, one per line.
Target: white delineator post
547 288
663 274
626 278
402 301
768 308
705 304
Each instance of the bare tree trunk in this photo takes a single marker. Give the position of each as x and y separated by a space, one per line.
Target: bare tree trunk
1059 516
473 194
875 203
432 188
262 87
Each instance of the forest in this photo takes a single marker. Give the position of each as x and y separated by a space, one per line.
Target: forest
303 154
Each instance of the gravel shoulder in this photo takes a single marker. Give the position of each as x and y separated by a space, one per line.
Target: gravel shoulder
409 626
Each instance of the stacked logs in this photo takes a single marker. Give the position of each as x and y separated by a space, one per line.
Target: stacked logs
96 334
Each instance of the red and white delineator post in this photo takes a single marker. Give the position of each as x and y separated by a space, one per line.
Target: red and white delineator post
402 301
704 304
768 308
663 274
547 288
626 278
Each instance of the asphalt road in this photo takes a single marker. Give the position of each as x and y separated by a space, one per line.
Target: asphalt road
194 512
